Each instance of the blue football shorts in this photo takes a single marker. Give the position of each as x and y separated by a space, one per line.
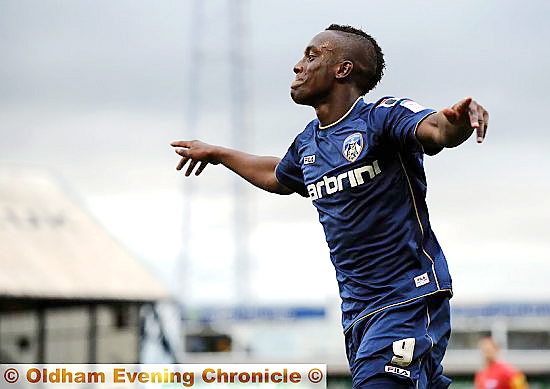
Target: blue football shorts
401 346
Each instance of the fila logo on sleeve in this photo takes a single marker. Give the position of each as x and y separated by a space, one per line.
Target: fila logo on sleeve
308 159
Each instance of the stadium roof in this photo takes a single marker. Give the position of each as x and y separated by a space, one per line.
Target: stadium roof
52 249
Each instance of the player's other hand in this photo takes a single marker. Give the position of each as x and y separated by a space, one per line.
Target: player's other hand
470 115
195 152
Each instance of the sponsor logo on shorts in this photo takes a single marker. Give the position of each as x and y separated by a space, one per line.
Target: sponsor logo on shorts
422 279
398 371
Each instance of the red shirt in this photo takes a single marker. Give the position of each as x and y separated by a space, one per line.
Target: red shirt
500 375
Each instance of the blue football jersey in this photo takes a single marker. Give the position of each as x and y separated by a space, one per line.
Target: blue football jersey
365 176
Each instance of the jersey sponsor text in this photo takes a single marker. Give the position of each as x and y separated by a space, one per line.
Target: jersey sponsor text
335 184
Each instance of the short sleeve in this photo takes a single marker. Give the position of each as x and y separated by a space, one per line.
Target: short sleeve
289 171
398 119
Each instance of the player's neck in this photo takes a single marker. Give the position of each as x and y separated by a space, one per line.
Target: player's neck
335 107
491 362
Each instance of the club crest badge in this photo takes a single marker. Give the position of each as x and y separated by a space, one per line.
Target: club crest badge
353 145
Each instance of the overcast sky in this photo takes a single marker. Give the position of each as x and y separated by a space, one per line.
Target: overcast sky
95 91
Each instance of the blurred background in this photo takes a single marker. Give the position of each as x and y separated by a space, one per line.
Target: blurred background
109 254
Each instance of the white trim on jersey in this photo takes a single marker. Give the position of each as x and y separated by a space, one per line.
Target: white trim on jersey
419 222
342 118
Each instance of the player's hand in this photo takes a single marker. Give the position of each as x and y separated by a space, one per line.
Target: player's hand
469 115
195 152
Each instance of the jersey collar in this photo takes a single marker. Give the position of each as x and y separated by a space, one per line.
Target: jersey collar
343 117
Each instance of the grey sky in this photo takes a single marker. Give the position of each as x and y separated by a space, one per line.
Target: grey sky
95 90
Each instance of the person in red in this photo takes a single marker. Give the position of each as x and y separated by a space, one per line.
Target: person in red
497 374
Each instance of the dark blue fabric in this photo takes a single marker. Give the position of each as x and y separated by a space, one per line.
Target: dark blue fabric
366 178
384 382
370 344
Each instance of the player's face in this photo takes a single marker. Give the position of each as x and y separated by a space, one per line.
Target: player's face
315 72
489 349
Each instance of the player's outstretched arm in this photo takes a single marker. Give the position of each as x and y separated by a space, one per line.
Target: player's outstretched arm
258 170
452 126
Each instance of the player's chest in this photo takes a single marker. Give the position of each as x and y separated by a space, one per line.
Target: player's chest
338 152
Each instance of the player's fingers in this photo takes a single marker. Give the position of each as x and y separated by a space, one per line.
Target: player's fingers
486 119
182 152
450 114
201 168
458 111
473 115
481 120
191 167
181 143
182 163
463 106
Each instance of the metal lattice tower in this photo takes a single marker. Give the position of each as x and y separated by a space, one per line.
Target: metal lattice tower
239 129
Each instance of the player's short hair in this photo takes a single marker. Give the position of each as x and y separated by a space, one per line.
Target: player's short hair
365 77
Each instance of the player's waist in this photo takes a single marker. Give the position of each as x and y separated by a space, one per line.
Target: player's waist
349 319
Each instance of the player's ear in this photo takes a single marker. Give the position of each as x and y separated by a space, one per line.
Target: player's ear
344 69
